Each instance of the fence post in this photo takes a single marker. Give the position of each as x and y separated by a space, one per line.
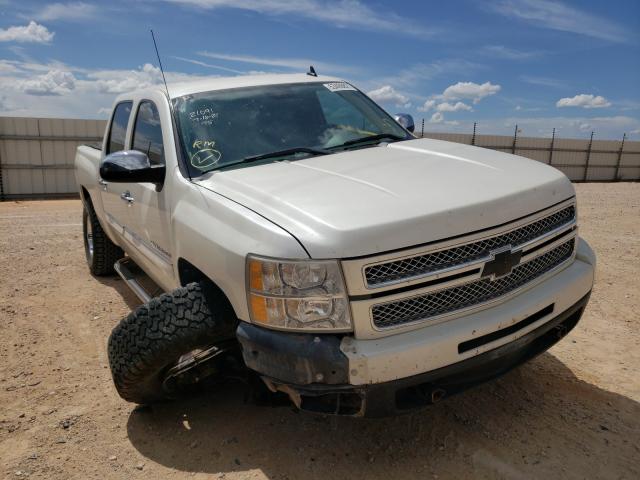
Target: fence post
553 139
44 180
617 176
422 130
473 138
586 163
515 139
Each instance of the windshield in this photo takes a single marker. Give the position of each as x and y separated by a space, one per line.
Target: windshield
226 127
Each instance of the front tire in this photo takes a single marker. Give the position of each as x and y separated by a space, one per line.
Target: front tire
152 339
100 251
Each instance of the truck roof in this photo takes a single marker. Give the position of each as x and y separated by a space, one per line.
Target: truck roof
224 83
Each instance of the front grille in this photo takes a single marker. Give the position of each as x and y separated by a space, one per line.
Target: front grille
408 268
469 294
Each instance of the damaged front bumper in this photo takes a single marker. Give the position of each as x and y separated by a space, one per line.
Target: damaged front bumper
314 372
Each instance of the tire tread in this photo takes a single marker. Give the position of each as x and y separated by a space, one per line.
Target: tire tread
105 252
151 338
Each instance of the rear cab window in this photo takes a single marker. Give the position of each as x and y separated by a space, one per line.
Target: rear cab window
118 129
147 133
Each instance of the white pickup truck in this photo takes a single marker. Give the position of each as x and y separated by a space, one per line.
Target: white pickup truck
287 224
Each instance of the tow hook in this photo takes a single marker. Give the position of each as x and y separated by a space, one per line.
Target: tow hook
437 395
561 331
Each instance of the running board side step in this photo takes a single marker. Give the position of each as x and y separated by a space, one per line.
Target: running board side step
134 277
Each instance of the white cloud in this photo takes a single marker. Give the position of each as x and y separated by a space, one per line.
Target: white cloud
445 102
453 107
419 73
444 106
120 81
35 89
73 11
626 105
436 118
338 13
542 81
583 100
500 51
7 67
470 90
427 105
33 33
298 64
54 82
555 15
387 94
209 65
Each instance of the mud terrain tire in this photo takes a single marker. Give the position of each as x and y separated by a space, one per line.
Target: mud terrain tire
151 339
101 252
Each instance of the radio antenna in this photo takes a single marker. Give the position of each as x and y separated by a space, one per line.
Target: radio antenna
160 62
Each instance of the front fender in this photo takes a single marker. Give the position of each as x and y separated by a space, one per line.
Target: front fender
215 234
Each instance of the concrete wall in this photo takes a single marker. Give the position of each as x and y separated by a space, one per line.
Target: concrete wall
36 154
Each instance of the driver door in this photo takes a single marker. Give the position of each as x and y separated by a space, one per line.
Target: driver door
114 195
149 228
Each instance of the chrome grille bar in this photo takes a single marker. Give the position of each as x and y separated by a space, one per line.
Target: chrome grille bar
397 271
471 294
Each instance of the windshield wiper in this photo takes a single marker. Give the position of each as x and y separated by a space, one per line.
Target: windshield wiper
279 153
370 138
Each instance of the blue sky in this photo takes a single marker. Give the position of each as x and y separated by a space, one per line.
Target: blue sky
539 64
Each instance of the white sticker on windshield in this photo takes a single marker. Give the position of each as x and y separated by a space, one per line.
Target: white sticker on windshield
338 86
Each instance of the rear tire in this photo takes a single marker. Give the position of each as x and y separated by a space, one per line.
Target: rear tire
150 340
100 251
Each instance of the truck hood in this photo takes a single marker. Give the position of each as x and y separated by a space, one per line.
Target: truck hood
392 196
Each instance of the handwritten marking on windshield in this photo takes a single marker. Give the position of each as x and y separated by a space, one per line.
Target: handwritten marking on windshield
203 116
205 158
200 144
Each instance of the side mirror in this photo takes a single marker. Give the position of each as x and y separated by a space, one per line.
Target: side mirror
131 166
405 120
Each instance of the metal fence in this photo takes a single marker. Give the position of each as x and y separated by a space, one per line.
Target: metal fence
586 160
36 154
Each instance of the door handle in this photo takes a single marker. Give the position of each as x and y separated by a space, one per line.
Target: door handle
127 197
103 184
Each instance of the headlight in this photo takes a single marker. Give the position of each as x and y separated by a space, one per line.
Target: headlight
297 294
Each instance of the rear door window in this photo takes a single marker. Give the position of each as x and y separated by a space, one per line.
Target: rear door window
118 130
147 133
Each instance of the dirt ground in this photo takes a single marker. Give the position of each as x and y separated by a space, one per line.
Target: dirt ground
573 412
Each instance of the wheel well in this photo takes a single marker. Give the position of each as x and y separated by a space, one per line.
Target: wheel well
188 273
84 195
